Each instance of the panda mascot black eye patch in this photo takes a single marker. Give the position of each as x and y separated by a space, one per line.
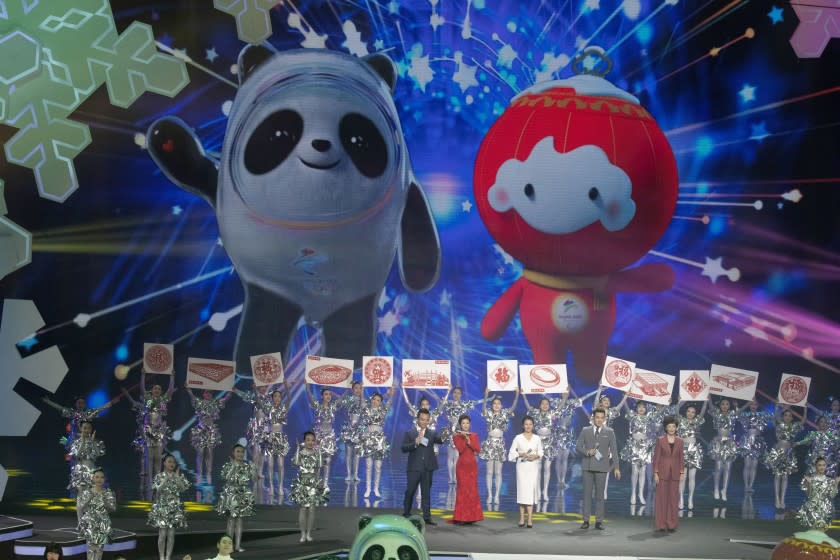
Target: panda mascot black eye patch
272 141
364 144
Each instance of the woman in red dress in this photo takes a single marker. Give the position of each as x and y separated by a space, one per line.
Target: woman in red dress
467 501
668 469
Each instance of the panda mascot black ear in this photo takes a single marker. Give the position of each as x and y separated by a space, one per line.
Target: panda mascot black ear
249 59
364 521
383 66
417 521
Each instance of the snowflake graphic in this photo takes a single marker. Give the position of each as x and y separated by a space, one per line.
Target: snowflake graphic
253 22
46 369
54 57
15 242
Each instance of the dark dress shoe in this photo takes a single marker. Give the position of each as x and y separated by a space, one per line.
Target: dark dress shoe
585 525
429 522
599 526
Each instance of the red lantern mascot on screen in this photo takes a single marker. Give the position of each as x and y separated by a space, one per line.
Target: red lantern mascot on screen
576 181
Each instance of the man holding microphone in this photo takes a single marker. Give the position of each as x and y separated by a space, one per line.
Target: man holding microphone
600 453
422 463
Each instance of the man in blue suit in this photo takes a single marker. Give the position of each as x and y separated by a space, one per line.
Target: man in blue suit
422 463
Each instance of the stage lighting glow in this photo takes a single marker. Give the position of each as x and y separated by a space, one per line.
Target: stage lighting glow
704 146
121 353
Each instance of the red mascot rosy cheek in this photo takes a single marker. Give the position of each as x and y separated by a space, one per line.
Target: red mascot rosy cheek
576 181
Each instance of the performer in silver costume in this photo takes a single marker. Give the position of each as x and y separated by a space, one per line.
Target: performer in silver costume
78 414
84 451
780 460
823 443
351 431
603 401
723 449
167 512
638 450
818 510
453 409
276 411
688 429
752 446
96 503
323 428
236 501
205 435
494 449
153 404
374 444
257 431
563 437
308 490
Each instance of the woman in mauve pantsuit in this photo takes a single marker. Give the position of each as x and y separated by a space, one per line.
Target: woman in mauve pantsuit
668 469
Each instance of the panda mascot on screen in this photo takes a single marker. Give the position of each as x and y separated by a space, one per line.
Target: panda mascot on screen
314 196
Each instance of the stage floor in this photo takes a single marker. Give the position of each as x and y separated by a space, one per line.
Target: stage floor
705 532
272 534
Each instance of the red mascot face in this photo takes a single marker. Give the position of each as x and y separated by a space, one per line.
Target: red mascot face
576 179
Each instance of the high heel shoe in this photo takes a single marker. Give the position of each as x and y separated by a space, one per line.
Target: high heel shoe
521 524
530 525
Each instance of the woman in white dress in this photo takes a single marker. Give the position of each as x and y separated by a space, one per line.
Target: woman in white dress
526 451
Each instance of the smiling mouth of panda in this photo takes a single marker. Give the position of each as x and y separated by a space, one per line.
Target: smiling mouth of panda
316 166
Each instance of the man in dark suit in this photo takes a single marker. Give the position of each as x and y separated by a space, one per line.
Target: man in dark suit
600 453
422 463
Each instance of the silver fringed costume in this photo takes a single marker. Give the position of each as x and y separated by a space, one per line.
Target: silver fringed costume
276 442
76 418
562 436
205 434
95 521
494 447
689 432
257 431
323 428
85 453
155 429
822 443
818 510
236 498
723 446
374 444
167 509
454 410
754 423
308 488
139 441
351 431
780 460
639 447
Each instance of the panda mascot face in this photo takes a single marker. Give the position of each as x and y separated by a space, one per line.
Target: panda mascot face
315 150
389 537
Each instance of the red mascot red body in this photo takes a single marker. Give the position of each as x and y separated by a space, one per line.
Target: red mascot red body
576 181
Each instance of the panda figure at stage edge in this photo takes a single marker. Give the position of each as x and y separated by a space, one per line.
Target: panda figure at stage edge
389 536
314 195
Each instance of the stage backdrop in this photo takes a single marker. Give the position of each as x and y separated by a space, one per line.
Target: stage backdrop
371 178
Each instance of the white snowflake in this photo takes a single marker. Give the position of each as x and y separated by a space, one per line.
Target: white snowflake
354 42
550 64
311 39
419 69
465 75
46 368
506 56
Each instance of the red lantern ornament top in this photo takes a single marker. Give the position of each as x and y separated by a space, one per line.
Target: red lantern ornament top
576 178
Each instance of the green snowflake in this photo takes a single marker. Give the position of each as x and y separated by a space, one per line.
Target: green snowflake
53 56
253 23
